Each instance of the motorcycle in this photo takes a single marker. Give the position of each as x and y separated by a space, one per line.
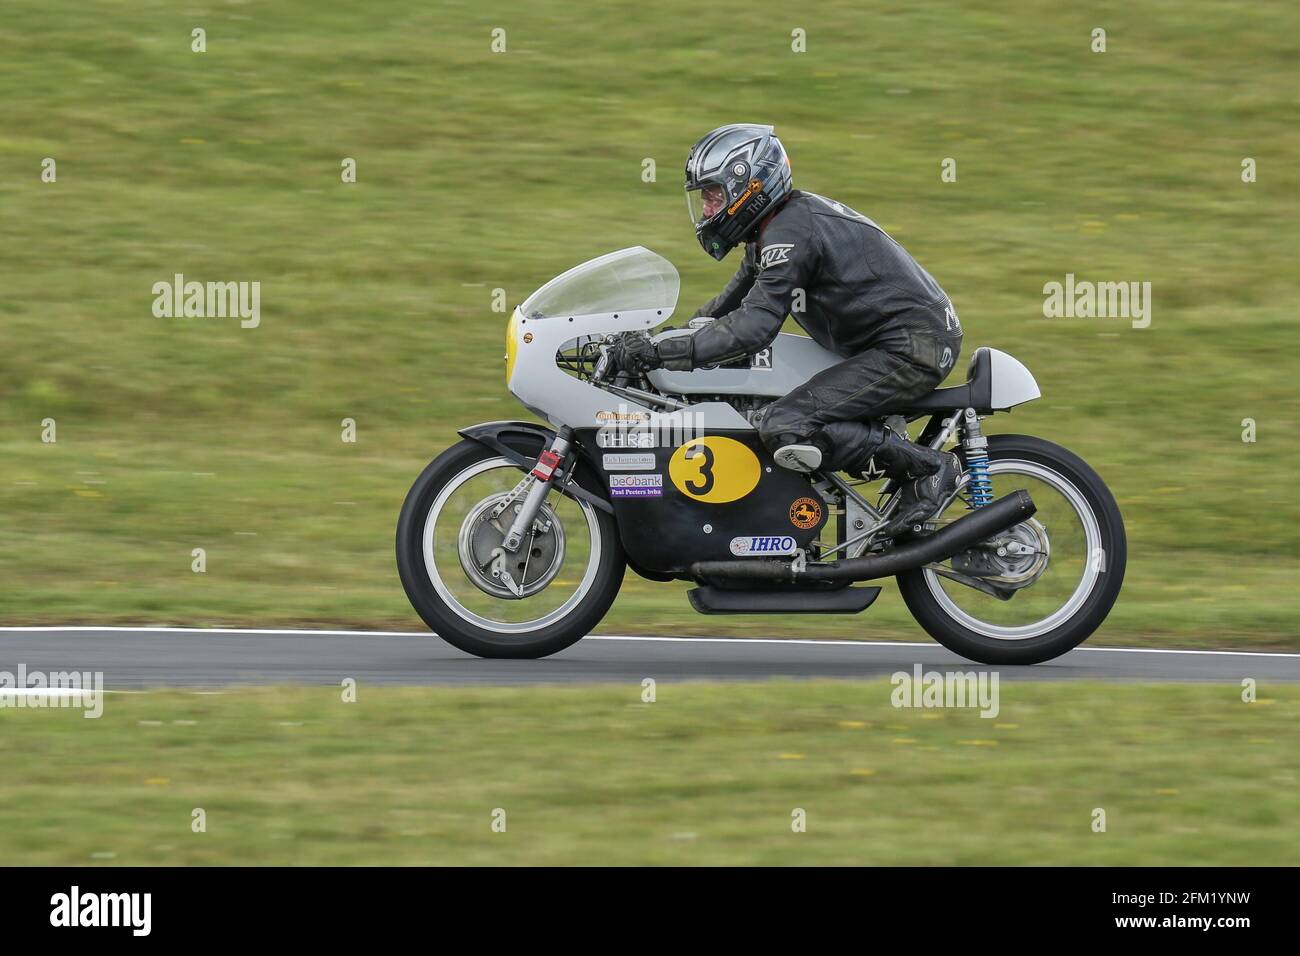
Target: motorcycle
514 542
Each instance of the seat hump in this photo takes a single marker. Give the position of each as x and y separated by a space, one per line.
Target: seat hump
976 393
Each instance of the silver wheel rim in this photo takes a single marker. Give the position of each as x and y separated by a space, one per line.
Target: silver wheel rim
472 617
1092 538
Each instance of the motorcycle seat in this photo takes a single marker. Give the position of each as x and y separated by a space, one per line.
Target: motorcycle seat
977 393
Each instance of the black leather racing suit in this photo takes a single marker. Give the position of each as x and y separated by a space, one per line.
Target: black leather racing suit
856 292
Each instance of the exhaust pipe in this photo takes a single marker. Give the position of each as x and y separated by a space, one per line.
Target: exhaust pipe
982 523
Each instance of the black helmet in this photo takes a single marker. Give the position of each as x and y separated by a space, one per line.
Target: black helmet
735 176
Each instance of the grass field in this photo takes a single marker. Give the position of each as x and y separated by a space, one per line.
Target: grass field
707 774
480 170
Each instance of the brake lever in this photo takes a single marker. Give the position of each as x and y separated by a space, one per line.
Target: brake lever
602 365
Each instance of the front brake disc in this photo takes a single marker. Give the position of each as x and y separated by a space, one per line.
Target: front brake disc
533 566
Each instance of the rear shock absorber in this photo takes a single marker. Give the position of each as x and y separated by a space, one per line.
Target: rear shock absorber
979 485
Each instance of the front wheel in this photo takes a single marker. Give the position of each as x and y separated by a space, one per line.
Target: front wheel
568 568
1039 589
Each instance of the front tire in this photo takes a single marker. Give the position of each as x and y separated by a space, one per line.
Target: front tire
457 609
977 626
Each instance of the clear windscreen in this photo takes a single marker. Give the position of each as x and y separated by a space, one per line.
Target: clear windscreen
623 281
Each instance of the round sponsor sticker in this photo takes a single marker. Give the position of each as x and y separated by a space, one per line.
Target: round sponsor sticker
805 512
714 469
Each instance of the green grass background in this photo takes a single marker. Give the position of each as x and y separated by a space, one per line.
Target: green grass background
707 774
480 170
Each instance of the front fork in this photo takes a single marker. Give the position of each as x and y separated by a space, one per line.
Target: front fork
539 486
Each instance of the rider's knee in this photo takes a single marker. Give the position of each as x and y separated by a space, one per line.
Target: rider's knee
777 427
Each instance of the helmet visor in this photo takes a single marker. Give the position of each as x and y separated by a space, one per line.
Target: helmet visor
705 202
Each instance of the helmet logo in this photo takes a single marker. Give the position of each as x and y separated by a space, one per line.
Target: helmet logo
754 187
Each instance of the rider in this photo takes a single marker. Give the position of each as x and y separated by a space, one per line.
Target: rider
851 287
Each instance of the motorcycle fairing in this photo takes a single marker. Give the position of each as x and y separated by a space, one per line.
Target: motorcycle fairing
665 533
632 290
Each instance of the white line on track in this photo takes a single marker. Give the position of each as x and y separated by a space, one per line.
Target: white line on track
616 637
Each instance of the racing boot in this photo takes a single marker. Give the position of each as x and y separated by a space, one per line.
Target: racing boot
793 451
927 478
839 446
802 457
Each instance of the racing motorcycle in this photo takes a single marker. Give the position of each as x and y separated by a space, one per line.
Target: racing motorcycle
514 542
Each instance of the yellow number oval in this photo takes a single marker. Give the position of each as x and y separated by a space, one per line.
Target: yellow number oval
714 469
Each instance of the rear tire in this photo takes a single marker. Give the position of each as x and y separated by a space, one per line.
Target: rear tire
443 616
939 622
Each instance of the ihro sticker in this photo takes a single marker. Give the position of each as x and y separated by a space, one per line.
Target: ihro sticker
763 544
636 486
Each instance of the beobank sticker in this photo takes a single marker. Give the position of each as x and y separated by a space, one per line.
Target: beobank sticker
636 486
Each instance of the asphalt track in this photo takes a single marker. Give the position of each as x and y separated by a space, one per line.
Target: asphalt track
135 658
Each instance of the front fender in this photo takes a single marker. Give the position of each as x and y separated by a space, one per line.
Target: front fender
494 435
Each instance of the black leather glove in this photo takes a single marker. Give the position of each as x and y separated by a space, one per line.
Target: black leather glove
677 353
635 353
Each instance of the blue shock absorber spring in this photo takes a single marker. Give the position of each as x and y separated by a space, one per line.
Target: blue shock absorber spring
979 486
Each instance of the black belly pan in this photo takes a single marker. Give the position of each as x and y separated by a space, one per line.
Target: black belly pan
666 490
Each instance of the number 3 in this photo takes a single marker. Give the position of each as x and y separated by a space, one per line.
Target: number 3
706 469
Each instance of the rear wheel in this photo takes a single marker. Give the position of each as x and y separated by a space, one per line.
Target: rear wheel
1039 589
568 568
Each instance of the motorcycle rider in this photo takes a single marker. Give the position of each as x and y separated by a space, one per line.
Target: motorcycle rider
851 287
